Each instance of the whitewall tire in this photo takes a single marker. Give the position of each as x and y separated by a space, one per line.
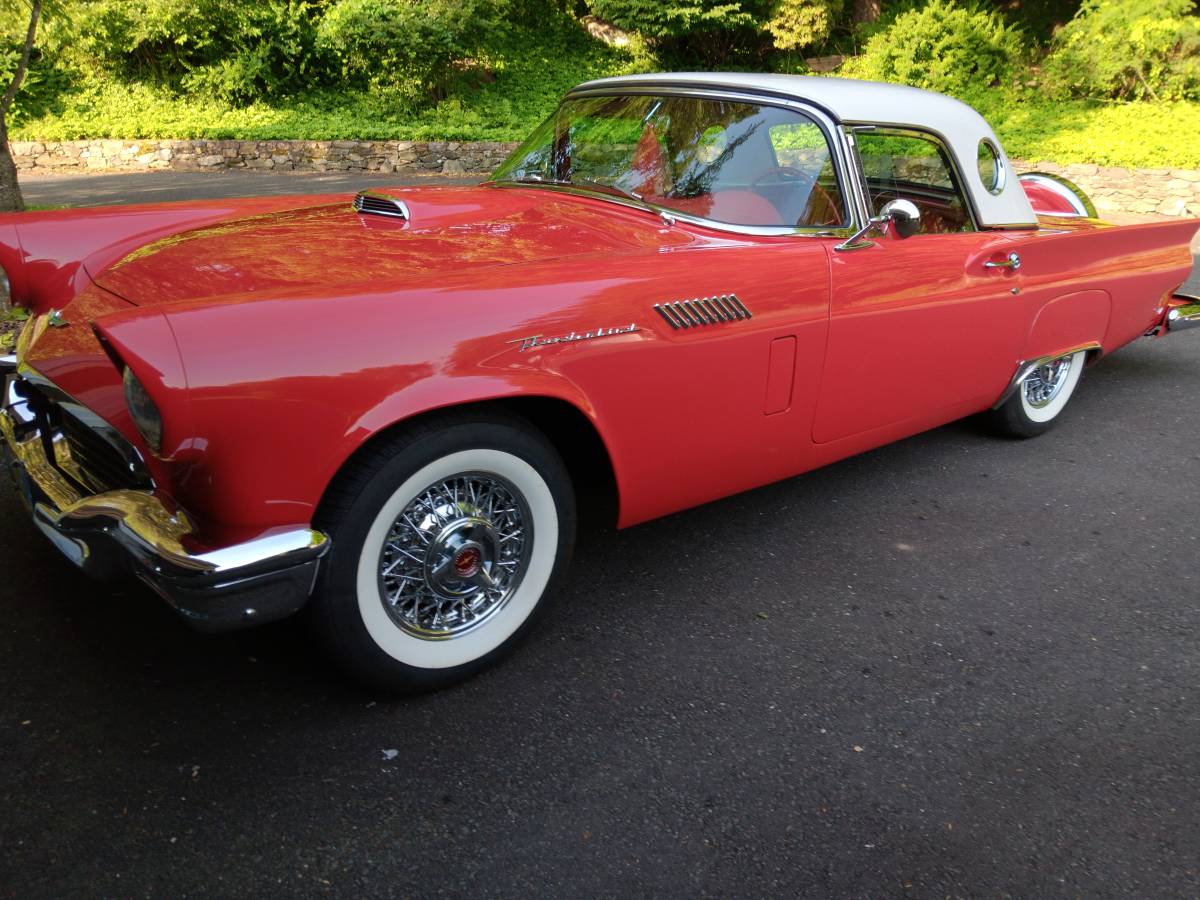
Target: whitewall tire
1039 400
444 543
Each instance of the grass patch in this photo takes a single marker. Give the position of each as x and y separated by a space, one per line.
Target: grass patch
1137 135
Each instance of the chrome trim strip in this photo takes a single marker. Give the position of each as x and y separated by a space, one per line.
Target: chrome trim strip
922 132
1065 188
996 188
399 209
1026 368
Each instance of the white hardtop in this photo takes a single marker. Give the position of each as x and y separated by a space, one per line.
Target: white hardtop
874 103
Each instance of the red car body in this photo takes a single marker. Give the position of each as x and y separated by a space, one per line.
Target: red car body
280 336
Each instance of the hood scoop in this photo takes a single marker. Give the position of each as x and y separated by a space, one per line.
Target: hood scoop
375 204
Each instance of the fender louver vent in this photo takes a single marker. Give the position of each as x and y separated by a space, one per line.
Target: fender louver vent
380 205
702 311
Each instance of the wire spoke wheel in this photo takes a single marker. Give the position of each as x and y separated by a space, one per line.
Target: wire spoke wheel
1045 383
455 555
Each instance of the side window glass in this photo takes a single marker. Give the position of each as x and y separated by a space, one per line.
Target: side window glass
916 168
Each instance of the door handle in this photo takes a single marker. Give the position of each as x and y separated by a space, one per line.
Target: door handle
1013 262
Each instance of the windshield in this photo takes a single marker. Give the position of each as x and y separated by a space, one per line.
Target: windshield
731 162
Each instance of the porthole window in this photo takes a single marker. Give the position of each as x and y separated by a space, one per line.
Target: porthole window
991 170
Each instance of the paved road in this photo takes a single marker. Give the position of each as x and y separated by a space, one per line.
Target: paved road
155 187
954 666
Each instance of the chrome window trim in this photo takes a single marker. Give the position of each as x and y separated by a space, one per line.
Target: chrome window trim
1067 190
1000 176
852 193
926 134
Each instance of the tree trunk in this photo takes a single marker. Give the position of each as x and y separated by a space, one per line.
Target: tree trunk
866 10
10 191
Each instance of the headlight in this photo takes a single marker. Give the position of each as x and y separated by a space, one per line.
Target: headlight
145 414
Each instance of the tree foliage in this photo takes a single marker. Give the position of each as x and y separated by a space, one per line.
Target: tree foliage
797 24
1128 49
392 43
942 46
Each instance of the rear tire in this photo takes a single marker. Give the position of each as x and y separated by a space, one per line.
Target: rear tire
1039 400
445 541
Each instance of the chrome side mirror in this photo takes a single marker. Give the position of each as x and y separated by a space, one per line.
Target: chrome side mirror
903 216
900 215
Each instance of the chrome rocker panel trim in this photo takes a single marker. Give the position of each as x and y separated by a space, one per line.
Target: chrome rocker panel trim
135 531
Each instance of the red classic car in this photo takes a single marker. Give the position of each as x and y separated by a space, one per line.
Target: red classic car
381 408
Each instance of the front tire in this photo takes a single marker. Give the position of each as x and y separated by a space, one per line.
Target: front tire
445 541
1040 399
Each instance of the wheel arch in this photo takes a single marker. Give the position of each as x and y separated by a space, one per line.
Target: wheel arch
570 430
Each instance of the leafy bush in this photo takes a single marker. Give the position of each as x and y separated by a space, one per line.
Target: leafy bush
941 46
394 43
225 48
796 24
674 18
694 33
1128 49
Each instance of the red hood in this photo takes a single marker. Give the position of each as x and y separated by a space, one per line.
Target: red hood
450 230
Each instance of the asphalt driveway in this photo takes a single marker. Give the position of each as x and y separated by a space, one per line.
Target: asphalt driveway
158 187
953 666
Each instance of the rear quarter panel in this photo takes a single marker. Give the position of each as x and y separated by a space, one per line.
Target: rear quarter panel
1104 284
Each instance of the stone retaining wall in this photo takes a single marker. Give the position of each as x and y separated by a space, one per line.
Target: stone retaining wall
1169 192
428 157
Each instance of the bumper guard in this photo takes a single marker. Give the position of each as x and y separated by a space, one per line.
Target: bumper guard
138 531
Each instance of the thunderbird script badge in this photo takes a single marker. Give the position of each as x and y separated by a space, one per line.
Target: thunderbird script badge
536 340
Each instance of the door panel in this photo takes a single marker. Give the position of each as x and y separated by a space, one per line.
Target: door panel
917 326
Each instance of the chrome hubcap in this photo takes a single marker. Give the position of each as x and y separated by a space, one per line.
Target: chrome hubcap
455 555
1046 382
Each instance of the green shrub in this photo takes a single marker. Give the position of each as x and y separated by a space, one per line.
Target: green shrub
695 33
674 18
397 43
796 24
225 48
1128 49
941 46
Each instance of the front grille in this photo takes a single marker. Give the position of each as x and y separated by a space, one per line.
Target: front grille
80 444
103 463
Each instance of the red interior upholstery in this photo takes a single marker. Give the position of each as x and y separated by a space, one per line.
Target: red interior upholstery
737 207
648 165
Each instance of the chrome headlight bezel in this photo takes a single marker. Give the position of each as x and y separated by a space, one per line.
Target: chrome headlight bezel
143 410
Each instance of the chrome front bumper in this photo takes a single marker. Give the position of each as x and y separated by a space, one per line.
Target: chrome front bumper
139 532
